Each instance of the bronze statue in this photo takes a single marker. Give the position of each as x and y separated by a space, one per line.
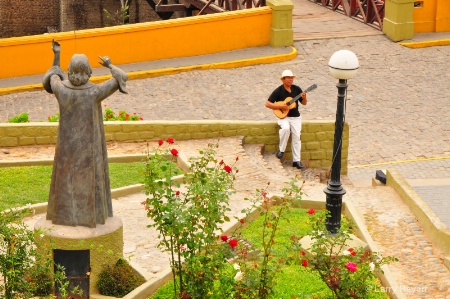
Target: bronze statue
80 192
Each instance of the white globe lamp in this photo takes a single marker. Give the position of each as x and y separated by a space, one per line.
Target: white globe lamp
343 64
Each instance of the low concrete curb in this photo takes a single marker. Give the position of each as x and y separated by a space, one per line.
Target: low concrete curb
424 44
40 162
432 225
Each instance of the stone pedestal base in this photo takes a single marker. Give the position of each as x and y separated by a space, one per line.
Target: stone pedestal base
353 242
105 243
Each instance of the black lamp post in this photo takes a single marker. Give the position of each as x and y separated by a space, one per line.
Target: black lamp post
343 65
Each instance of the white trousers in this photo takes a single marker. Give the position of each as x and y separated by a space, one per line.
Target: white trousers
288 126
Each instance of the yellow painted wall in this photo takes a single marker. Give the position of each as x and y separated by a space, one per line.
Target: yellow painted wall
425 16
206 34
432 16
443 16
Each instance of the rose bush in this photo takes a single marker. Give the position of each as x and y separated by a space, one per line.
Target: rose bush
346 271
188 220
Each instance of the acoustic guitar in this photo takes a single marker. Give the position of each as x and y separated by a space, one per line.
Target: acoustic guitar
291 103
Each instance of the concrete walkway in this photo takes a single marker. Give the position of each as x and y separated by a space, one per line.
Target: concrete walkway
396 109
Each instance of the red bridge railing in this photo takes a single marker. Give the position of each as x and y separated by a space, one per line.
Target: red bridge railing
370 12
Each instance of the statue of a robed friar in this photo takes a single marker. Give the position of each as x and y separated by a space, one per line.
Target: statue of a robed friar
80 189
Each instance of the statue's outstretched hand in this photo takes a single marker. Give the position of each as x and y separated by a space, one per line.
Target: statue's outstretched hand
106 61
56 47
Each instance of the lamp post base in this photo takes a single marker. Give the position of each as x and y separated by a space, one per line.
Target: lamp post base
334 192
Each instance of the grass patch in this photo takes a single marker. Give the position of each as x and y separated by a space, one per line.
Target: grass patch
31 184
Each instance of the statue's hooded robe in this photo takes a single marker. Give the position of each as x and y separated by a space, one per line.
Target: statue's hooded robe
80 191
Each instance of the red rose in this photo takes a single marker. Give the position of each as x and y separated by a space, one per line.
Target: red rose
303 253
352 252
160 142
227 168
170 140
311 211
140 118
224 238
177 193
304 263
233 243
242 220
174 152
221 162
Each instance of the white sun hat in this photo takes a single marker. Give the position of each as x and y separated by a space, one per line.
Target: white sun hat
287 73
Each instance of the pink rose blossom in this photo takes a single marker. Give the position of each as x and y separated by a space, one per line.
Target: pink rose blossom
351 267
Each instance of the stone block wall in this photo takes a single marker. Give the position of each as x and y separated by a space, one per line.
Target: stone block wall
317 136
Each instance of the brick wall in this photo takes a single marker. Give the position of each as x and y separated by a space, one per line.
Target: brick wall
31 17
77 15
27 17
141 11
317 136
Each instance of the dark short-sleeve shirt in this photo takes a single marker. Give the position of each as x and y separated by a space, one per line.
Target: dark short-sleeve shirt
280 94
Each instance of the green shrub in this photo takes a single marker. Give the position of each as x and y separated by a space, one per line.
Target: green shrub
41 283
53 118
119 280
21 118
109 115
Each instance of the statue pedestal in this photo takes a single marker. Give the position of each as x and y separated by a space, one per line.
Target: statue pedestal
83 251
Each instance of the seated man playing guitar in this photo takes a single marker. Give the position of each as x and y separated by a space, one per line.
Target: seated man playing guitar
284 102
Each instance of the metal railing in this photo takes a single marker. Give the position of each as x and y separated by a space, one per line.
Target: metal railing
370 12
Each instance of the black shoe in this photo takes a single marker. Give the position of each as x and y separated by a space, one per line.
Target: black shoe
298 165
279 154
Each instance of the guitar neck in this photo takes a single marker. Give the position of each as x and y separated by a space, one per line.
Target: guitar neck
312 87
293 100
